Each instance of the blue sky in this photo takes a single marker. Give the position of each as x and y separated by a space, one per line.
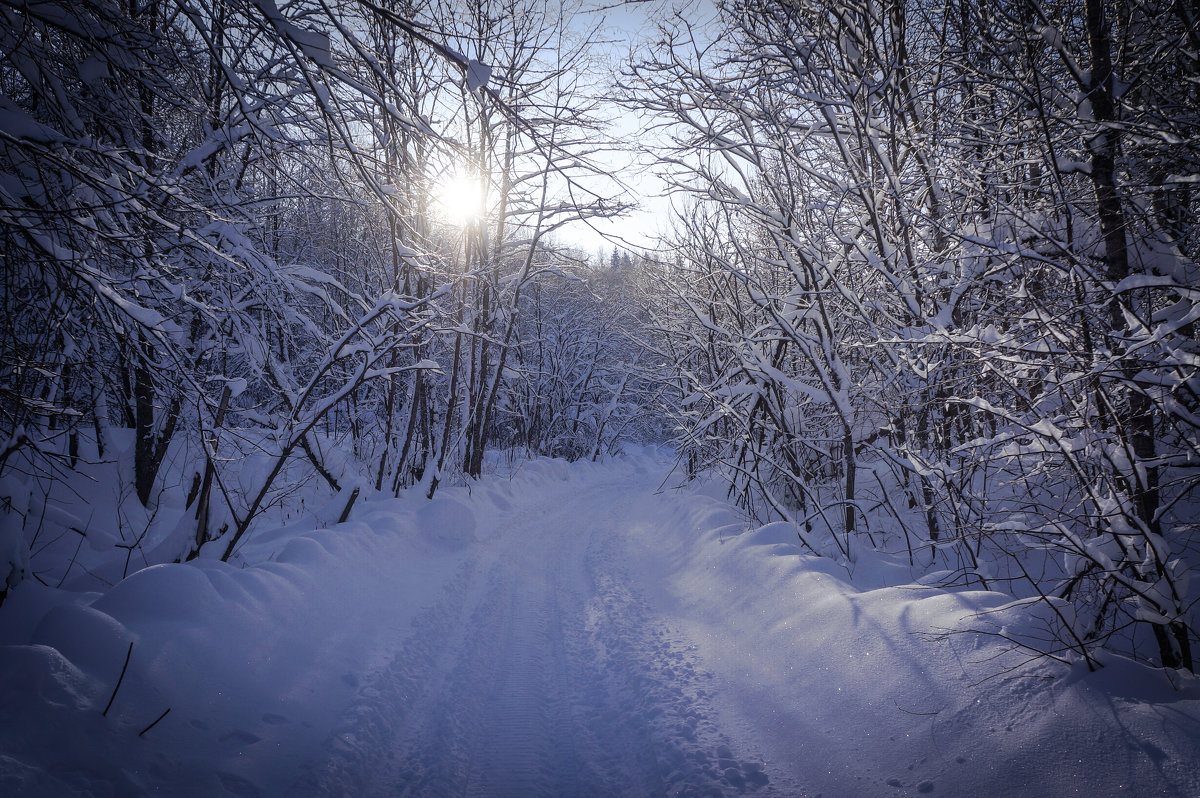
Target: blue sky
625 23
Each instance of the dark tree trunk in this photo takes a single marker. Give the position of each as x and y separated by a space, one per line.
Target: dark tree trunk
1137 426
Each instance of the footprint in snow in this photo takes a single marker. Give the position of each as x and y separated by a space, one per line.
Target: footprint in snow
236 785
922 787
239 737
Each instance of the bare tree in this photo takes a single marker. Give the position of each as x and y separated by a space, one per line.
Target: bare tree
920 251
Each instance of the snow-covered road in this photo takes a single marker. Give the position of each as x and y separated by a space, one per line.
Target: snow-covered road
564 630
541 670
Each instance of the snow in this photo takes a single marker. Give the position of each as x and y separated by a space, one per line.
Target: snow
93 70
478 75
586 629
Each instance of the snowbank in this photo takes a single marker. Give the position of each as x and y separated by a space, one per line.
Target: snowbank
675 648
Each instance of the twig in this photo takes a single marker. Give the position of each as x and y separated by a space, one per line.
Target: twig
124 668
155 723
913 712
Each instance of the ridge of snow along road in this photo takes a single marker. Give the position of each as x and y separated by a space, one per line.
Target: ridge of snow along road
566 629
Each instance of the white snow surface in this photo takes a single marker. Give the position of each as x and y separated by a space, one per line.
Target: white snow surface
563 630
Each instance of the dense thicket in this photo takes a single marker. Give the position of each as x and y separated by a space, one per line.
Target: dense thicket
938 288
231 272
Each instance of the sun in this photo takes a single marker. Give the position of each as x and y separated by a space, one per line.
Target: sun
460 198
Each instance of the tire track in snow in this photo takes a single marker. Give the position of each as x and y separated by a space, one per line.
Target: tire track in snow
360 746
497 722
525 745
652 673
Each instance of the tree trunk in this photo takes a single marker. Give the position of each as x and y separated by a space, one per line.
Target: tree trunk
1137 426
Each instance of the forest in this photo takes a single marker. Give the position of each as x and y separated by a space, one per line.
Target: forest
930 291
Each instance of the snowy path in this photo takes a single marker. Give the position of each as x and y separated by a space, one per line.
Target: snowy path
569 631
542 671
